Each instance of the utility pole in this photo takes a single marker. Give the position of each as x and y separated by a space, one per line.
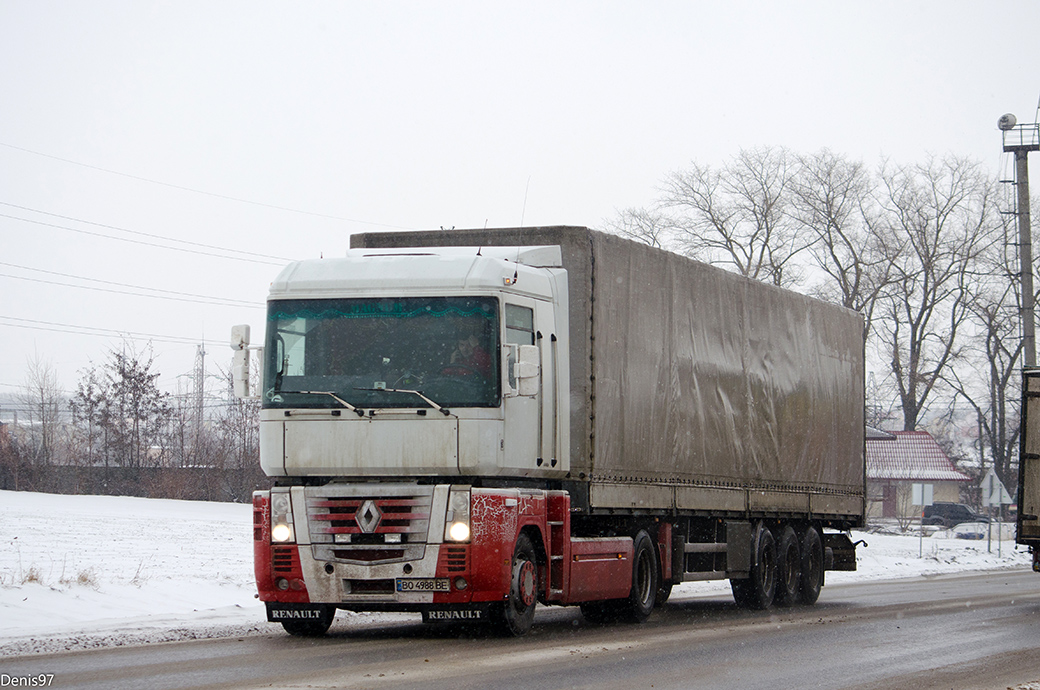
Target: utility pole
1020 140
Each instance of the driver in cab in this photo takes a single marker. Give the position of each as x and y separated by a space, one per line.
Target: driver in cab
469 357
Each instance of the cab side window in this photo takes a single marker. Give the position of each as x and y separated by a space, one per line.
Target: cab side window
519 331
519 325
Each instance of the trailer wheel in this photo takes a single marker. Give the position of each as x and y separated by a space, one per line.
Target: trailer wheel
812 567
311 628
515 616
788 568
758 589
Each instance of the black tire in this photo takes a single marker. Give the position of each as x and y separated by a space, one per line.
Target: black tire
645 579
646 582
515 616
758 590
311 628
812 567
788 568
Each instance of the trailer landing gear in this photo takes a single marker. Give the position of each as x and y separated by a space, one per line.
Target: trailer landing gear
758 589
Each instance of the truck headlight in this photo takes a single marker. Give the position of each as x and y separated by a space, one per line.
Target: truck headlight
456 520
459 531
281 517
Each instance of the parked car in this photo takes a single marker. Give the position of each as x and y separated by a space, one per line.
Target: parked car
949 514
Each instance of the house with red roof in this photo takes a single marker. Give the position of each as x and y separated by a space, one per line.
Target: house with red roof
896 461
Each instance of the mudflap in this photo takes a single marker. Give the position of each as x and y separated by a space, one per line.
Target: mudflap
839 552
278 613
457 614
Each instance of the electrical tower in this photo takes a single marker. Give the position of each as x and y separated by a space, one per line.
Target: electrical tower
198 398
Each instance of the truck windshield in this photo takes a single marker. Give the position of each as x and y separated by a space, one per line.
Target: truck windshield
445 347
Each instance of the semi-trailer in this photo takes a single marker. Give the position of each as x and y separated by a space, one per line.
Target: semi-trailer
468 423
1027 532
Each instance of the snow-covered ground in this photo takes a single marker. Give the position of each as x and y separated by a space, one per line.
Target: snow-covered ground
79 572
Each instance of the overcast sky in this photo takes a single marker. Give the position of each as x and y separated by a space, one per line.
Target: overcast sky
280 129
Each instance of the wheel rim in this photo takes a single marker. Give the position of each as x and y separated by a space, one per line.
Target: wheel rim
791 565
768 571
524 578
767 565
644 577
815 563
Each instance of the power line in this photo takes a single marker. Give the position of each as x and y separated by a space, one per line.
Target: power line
280 260
168 294
147 244
102 332
202 191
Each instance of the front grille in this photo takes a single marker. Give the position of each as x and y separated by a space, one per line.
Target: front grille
377 524
404 515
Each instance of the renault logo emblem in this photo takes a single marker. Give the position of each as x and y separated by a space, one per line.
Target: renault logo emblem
368 516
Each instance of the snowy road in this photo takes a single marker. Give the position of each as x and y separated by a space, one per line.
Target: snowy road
955 631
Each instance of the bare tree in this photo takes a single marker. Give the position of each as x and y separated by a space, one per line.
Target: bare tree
12 462
989 381
89 416
831 197
42 398
739 215
238 425
880 402
643 225
941 214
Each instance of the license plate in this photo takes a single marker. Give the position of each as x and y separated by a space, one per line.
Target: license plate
423 584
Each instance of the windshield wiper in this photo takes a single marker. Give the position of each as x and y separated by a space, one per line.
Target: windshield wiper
443 410
341 401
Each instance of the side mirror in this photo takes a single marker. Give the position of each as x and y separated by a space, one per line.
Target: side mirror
528 370
240 362
240 337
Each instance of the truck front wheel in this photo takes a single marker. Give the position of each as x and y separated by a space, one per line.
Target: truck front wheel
515 616
311 628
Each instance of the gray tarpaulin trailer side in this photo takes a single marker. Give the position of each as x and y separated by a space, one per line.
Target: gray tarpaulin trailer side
696 390
1027 519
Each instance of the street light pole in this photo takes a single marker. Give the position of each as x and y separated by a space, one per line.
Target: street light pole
1020 140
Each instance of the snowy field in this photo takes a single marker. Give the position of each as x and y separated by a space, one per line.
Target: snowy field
78 572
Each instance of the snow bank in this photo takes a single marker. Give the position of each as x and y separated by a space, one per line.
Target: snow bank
87 571
82 571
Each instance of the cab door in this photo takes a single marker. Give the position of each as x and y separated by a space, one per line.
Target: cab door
523 387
